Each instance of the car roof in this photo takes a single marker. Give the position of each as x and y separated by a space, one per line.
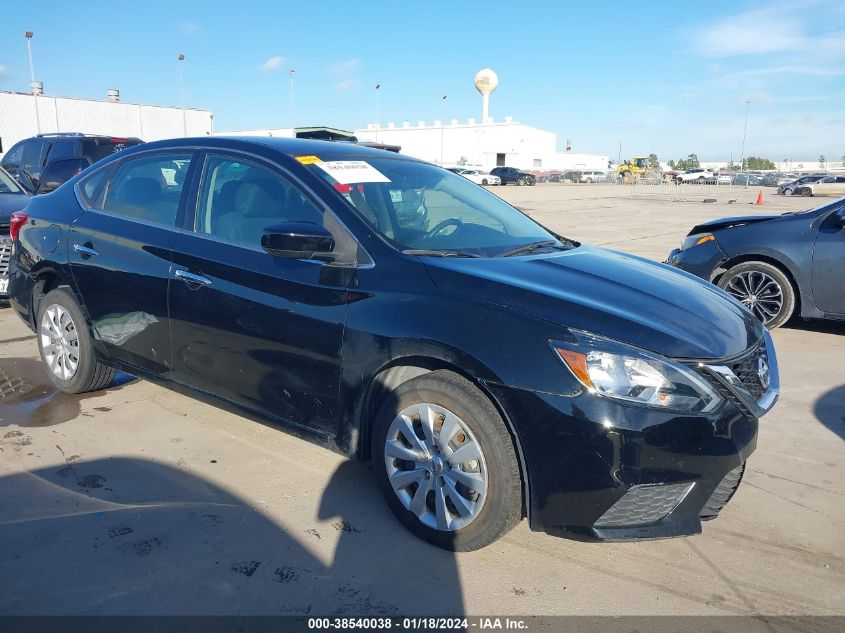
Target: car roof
291 146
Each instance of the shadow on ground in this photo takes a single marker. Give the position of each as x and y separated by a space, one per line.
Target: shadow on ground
129 536
830 410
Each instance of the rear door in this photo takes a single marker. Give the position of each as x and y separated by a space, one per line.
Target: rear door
829 265
259 330
120 251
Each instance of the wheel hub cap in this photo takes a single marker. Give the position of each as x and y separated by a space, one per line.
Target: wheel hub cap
436 466
59 342
759 292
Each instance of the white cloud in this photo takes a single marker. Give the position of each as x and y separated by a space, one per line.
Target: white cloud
767 30
274 63
346 84
189 27
4 72
346 66
809 71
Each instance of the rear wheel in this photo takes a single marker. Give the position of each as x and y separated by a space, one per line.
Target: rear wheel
446 463
806 192
589 180
521 181
66 348
763 289
483 181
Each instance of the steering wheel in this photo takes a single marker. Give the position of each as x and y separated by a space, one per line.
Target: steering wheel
456 222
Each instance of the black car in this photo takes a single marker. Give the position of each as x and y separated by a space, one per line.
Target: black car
774 264
12 198
488 367
514 176
788 188
53 158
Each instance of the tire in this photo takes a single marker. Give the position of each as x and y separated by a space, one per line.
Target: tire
483 181
520 182
481 426
71 329
733 283
589 180
806 192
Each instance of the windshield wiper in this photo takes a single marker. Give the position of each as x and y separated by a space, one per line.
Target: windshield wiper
436 253
533 246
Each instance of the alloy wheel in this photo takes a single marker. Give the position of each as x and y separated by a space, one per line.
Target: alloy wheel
436 466
759 292
59 342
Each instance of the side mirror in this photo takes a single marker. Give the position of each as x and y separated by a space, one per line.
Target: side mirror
297 240
837 220
59 173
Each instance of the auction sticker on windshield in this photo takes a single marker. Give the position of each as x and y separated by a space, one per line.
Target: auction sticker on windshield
348 172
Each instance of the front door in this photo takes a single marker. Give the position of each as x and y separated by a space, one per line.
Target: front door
829 264
262 331
119 254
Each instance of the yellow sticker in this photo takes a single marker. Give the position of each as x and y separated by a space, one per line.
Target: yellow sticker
308 160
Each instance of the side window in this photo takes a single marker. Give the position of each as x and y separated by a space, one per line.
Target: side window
148 188
32 156
239 199
12 160
92 187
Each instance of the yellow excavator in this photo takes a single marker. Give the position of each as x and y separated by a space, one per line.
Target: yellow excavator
637 167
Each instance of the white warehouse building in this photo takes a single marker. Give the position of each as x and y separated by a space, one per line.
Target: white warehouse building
111 117
484 145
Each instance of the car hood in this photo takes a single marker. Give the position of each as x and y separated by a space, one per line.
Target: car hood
612 294
9 203
725 223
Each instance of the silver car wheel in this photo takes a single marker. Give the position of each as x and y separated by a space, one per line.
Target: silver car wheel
759 292
436 466
59 342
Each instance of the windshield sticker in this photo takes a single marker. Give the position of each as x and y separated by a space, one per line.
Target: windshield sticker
308 160
347 172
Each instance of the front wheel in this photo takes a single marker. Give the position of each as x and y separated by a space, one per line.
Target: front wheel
66 348
520 182
763 289
446 463
806 192
483 181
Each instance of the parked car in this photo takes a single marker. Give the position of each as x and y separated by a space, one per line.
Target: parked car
773 264
513 176
722 179
593 176
28 160
12 198
477 176
697 175
490 368
828 186
745 180
788 188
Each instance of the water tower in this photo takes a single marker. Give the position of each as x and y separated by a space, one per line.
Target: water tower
486 81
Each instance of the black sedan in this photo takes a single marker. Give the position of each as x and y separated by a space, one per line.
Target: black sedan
393 311
12 198
774 264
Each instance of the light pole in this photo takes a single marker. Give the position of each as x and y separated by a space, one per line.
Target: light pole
378 86
33 85
181 59
442 125
744 133
291 74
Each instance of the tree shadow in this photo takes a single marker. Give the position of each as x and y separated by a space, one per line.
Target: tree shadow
131 536
830 410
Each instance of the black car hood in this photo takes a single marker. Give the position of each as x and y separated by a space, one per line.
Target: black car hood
612 294
9 203
725 223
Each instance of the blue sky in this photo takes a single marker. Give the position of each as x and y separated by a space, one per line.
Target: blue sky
671 78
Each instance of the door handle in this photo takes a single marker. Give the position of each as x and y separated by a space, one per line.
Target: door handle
85 251
191 278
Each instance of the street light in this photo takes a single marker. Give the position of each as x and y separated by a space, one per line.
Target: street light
181 59
291 74
442 125
744 132
33 84
378 86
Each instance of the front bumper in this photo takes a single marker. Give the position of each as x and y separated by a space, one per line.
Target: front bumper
600 470
703 260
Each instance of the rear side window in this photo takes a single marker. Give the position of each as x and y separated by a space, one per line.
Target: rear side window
148 188
98 148
92 187
59 150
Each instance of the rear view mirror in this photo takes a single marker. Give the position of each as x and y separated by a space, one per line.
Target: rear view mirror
59 173
837 220
297 240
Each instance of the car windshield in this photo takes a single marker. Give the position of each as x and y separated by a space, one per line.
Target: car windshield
419 207
7 184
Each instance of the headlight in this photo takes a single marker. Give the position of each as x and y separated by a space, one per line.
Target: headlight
614 370
695 240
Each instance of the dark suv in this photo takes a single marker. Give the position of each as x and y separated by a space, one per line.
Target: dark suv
514 176
41 163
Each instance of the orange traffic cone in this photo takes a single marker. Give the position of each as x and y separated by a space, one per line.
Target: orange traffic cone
759 197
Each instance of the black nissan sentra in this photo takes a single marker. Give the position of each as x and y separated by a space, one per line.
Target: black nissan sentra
393 311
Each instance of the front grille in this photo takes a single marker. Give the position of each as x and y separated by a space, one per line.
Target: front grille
723 493
746 369
644 504
5 254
